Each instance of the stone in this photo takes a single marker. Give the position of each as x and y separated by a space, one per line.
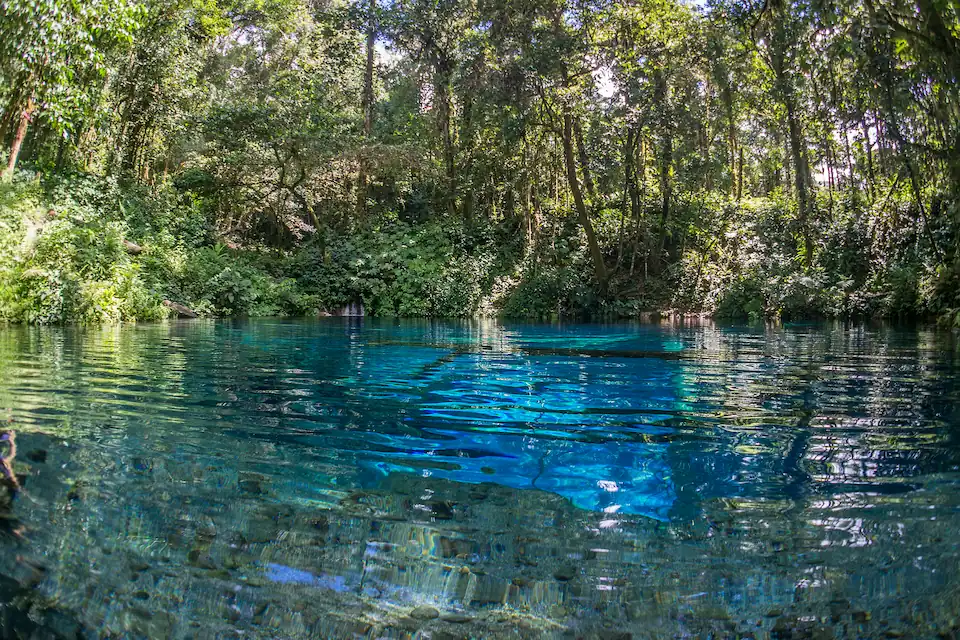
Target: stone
457 618
206 528
201 559
424 612
250 486
138 566
565 574
145 623
712 612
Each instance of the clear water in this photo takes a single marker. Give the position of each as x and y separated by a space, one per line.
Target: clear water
342 478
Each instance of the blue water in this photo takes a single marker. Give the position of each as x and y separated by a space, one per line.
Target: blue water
324 478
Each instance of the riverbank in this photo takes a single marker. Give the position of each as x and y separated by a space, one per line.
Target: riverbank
89 250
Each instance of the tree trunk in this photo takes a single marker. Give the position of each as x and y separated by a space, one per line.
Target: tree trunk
666 164
801 176
367 108
631 195
444 113
740 177
584 164
727 96
571 170
638 199
868 153
19 136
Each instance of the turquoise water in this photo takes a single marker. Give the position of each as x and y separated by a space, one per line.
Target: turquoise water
343 478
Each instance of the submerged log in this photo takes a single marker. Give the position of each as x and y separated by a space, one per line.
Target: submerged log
179 309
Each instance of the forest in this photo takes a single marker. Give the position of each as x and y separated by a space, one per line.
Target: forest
748 159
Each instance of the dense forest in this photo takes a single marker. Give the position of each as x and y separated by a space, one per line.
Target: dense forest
530 158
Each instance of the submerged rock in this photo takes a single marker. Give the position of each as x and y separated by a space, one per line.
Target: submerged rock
457 618
142 622
202 559
206 528
424 612
565 574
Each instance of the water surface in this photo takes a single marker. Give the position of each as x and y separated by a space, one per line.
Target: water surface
341 478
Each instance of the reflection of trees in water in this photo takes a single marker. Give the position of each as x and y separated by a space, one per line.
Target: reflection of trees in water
9 486
791 414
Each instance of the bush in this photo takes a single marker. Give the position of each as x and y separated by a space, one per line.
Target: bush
397 270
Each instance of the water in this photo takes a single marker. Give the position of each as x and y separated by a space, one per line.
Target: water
347 477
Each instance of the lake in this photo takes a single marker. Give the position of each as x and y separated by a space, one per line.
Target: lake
356 477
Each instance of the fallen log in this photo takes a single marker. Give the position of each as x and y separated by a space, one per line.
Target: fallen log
132 248
179 309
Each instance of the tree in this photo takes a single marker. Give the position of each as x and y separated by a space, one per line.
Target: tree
52 55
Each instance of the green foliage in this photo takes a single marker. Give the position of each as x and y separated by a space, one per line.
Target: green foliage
398 271
752 160
215 280
76 267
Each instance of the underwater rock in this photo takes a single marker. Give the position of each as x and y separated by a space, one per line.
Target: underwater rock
712 612
37 455
77 491
250 485
145 623
441 510
138 566
321 523
456 618
24 615
260 613
201 559
424 612
207 529
790 628
565 574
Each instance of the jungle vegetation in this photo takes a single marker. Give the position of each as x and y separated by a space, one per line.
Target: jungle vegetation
531 158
